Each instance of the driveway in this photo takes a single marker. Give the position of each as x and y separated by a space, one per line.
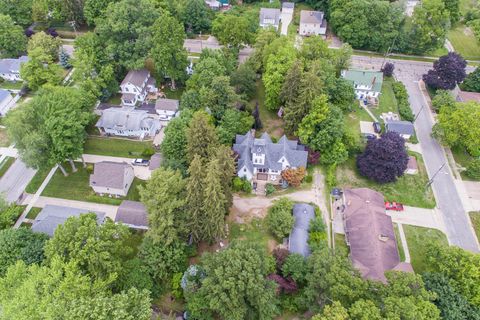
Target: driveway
286 18
15 180
140 172
420 217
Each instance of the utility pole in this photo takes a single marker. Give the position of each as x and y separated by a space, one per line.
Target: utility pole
423 106
388 51
434 175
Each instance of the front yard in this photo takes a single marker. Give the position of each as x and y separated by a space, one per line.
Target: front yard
76 186
464 42
462 159
116 147
10 85
408 189
388 102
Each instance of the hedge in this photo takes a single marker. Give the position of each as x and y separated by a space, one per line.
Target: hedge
402 100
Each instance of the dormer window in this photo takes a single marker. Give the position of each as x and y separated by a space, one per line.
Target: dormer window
259 150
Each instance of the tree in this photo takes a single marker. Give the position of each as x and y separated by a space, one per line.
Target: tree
20 11
447 72
218 97
47 44
342 94
164 199
214 203
194 198
293 83
472 81
64 59
233 122
174 144
443 99
167 52
279 218
334 154
206 70
244 79
226 163
20 244
13 41
319 113
294 177
201 137
97 250
334 311
196 16
265 37
126 32
388 69
95 9
365 310
8 213
473 169
40 69
384 159
235 285
453 8
232 30
295 266
256 115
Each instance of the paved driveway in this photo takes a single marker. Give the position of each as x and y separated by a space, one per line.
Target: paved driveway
420 217
286 18
15 180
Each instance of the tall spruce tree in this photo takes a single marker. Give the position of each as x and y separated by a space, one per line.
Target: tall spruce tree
201 137
227 171
214 203
195 197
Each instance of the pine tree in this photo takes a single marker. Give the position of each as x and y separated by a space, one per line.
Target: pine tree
227 171
195 197
64 59
213 203
201 137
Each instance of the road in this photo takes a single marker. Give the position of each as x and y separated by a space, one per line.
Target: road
15 180
455 218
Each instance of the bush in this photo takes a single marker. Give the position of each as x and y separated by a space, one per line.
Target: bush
295 266
247 187
309 179
177 290
269 189
241 184
317 225
279 218
331 176
280 255
148 152
473 169
401 95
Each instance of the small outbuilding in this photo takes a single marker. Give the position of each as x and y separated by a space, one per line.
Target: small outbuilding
269 17
404 128
412 166
133 214
166 108
298 240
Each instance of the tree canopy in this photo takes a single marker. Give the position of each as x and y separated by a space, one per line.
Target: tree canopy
447 72
13 41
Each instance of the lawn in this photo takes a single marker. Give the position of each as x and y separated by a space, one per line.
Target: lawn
115 99
340 243
115 147
4 141
11 85
475 218
272 124
401 252
462 159
37 180
464 42
388 102
76 186
254 232
5 164
33 213
417 238
408 189
173 94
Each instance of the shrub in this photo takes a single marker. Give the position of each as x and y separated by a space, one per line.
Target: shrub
269 189
294 177
177 290
279 218
317 225
148 152
295 266
309 179
280 255
331 176
473 169
247 186
401 95
237 184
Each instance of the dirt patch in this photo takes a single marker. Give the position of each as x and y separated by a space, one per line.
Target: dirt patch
271 245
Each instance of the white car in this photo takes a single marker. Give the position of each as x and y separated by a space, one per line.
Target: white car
140 162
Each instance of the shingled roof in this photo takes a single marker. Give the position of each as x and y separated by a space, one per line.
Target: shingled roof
12 65
298 240
133 214
109 174
136 77
125 118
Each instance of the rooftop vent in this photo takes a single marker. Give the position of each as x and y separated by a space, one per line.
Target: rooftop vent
383 238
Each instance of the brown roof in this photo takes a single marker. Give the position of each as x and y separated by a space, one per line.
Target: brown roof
136 77
166 104
311 16
155 161
109 174
369 231
465 96
412 163
132 213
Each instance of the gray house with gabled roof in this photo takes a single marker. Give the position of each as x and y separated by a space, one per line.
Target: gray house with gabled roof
263 160
269 18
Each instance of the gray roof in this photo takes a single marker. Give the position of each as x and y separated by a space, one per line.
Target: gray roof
12 65
246 144
270 14
167 104
132 213
52 216
289 5
155 161
136 77
298 240
400 127
311 16
4 94
125 118
109 174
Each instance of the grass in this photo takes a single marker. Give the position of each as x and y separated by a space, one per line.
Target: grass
5 164
417 238
115 99
4 141
463 159
408 189
33 213
174 94
11 85
115 147
475 218
388 102
464 42
255 232
340 242
26 225
37 180
134 241
272 124
76 186
401 251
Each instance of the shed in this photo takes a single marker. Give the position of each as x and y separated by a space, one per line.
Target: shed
133 214
412 166
298 240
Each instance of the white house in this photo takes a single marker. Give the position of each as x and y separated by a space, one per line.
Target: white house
367 84
312 23
5 102
10 68
269 18
135 87
128 122
112 178
166 108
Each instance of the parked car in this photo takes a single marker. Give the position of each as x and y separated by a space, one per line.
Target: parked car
369 136
395 206
377 127
140 162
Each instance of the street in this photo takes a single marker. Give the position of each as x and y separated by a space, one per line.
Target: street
15 180
196 46
455 218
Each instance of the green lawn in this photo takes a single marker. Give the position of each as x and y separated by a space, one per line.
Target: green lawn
115 147
462 159
388 102
255 232
464 42
33 213
5 164
37 180
4 141
174 94
417 238
340 243
76 186
475 218
10 85
401 252
272 124
408 189
115 99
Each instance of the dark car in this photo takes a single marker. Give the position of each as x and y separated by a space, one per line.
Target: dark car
377 127
370 136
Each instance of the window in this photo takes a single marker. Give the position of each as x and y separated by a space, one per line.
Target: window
126 89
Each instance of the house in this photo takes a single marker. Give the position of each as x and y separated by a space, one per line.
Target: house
112 178
133 214
128 122
369 234
298 240
269 18
312 23
135 87
404 128
288 7
216 5
262 160
367 84
10 68
5 102
412 166
166 109
465 96
52 216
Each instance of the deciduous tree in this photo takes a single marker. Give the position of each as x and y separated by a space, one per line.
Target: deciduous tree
279 218
13 41
40 69
232 30
196 16
472 81
46 43
447 72
174 144
95 9
233 122
19 10
294 177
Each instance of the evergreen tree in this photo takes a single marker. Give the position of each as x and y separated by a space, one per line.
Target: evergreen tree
64 59
201 137
227 171
194 197
214 203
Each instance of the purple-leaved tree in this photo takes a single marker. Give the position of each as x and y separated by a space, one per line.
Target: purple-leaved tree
388 69
384 159
447 72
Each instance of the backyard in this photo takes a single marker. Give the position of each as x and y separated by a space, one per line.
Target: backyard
76 186
272 124
116 147
256 232
408 189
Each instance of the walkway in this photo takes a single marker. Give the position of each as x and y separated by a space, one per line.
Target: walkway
285 18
